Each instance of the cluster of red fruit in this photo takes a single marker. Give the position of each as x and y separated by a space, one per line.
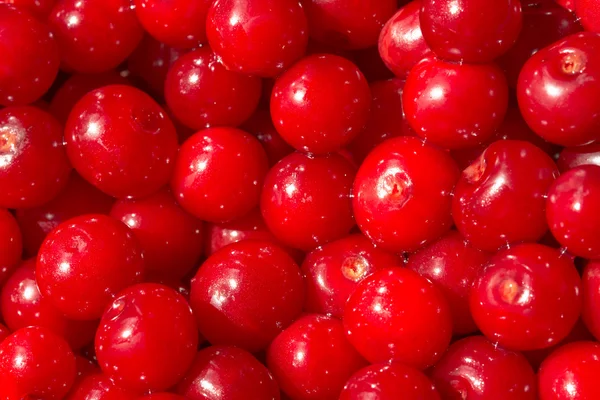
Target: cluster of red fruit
306 200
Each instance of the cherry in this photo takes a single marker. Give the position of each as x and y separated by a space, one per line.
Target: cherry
395 314
96 386
94 35
588 13
261 37
508 172
567 4
246 293
163 396
39 8
201 93
85 262
320 104
35 363
571 157
558 90
312 358
402 194
261 126
591 296
475 368
11 245
572 210
4 332
219 174
121 141
306 200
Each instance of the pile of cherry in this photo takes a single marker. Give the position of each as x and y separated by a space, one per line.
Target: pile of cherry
314 199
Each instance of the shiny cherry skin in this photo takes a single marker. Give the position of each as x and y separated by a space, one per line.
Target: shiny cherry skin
33 162
332 272
306 200
94 35
180 24
261 126
388 382
473 31
163 396
246 293
572 210
434 101
201 92
30 57
395 314
97 386
11 244
475 368
528 297
588 13
147 338
508 172
120 140
402 194
591 295
559 90
571 157
227 373
401 44
40 8
312 359
35 363
320 104
214 156
337 24
171 239
85 262
452 265
260 38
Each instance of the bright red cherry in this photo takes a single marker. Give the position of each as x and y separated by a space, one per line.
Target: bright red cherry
476 369
588 13
261 37
395 314
402 194
94 35
11 244
39 8
312 359
201 92
591 297
85 262
212 157
121 141
571 157
261 126
96 386
527 297
306 200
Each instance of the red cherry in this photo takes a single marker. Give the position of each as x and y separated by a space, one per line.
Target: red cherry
4 332
591 297
163 396
39 8
11 245
571 157
588 13
96 386
261 126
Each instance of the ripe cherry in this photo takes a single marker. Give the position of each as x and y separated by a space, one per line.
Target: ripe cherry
97 386
39 8
588 13
591 296
11 245
571 157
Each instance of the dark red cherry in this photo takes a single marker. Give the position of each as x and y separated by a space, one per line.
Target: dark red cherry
320 104
94 35
395 314
571 157
559 90
163 396
261 37
121 141
33 162
261 126
4 332
475 368
11 245
39 8
508 172
312 358
588 13
306 200
591 297
572 210
96 386
201 92
402 194
85 262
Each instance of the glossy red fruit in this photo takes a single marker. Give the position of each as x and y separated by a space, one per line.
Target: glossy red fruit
472 31
402 194
227 373
39 8
212 157
559 90
320 104
508 172
163 396
312 358
121 141
588 13
35 363
261 126
260 38
475 368
337 24
528 297
572 210
85 262
180 24
306 201
591 297
4 332
246 293
11 244
395 314
96 386
201 92
571 157
30 57
94 35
